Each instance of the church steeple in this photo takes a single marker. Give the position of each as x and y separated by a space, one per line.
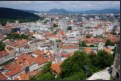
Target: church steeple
100 46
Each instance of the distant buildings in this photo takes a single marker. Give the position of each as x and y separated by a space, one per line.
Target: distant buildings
62 24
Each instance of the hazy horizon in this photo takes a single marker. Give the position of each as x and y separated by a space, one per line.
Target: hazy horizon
67 5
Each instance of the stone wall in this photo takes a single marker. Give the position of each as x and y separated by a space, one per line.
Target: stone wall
116 65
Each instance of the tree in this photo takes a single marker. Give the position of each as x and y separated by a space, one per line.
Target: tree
55 25
74 64
45 73
113 32
83 43
47 76
33 37
107 42
93 59
41 18
76 76
104 59
2 46
87 36
91 45
81 25
32 78
114 52
55 32
45 21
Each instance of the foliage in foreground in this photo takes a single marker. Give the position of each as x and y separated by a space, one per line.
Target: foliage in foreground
73 67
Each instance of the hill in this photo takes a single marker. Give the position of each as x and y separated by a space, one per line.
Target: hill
31 11
10 15
58 11
15 14
115 11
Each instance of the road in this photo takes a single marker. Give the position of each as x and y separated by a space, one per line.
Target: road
58 57
105 75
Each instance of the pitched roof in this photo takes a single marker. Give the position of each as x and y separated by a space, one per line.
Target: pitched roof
14 69
65 54
44 40
3 53
2 77
108 50
16 78
54 35
68 45
24 76
9 47
32 60
38 52
88 49
56 67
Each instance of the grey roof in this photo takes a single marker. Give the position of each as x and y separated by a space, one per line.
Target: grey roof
4 31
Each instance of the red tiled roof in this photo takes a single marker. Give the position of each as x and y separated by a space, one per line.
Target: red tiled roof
3 53
24 76
38 52
14 69
88 49
44 40
56 67
54 35
108 50
2 77
83 22
9 47
67 46
96 27
65 55
32 60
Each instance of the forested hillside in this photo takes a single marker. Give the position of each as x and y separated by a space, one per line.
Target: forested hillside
8 14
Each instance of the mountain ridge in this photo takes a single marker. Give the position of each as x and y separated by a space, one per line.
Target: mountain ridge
115 11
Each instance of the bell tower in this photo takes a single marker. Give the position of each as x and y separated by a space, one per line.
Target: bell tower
100 46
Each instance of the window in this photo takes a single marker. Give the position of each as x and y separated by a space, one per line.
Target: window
117 75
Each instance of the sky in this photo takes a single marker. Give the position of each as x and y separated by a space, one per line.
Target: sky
67 5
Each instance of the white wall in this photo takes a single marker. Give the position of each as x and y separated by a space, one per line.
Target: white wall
33 67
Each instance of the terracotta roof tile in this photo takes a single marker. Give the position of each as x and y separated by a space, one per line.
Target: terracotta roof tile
3 53
38 52
108 50
68 45
56 67
2 77
9 47
88 49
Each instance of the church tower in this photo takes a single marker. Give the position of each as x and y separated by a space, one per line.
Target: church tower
100 46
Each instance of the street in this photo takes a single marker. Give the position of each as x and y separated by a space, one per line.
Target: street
105 75
58 57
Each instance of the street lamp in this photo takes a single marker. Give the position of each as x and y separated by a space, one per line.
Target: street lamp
86 67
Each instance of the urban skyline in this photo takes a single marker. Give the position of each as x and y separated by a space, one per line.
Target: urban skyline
67 5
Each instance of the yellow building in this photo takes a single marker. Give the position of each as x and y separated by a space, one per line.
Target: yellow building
105 29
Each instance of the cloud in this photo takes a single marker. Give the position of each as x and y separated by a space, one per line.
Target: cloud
39 1
74 5
68 5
